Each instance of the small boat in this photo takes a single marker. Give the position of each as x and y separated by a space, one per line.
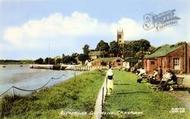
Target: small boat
21 65
4 66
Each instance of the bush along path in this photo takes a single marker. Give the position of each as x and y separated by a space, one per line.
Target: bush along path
137 100
71 99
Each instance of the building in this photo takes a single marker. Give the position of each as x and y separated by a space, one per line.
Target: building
114 61
94 54
120 42
175 57
120 37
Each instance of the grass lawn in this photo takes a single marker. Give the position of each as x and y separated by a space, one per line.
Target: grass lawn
74 95
130 96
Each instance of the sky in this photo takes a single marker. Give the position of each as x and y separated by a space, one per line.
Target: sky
30 29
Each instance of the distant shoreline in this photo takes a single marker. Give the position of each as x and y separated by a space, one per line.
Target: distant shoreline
19 62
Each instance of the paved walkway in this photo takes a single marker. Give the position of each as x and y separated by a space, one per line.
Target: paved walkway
100 100
186 81
184 95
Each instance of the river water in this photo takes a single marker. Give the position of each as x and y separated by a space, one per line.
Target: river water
26 78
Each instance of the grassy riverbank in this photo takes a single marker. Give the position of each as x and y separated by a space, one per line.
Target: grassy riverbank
130 96
74 95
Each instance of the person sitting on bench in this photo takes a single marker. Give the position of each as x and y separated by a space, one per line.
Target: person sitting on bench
167 76
172 80
154 78
141 75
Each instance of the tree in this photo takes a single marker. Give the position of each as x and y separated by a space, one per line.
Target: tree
138 46
66 59
86 49
39 61
102 46
69 60
63 55
144 44
83 57
74 58
58 60
114 48
49 60
75 55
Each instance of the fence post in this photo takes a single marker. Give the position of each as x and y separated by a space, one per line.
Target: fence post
13 91
102 97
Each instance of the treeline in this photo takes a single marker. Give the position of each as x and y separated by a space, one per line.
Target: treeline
75 58
7 61
136 49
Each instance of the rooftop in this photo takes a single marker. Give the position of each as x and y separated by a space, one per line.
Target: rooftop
164 50
107 59
95 52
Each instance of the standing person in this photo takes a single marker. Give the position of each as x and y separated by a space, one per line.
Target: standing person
160 73
109 80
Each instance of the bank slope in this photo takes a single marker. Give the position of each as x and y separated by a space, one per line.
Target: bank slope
75 95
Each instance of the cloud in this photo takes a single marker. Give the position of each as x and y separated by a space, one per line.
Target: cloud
68 33
65 32
129 26
54 26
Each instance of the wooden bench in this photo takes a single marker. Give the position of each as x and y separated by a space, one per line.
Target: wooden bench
179 84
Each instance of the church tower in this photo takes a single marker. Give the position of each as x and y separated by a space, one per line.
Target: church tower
120 42
120 37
